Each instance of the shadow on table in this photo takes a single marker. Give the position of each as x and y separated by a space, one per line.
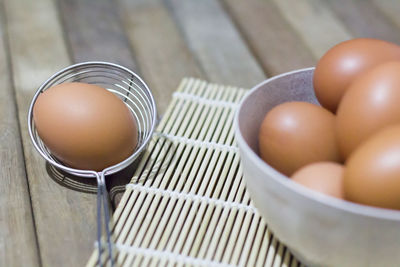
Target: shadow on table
162 157
115 182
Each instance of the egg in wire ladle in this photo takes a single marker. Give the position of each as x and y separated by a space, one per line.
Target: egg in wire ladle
133 91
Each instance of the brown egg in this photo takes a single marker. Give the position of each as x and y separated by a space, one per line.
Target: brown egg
85 126
295 134
372 174
323 177
344 62
371 103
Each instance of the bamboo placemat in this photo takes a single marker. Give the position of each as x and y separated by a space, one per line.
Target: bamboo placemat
187 204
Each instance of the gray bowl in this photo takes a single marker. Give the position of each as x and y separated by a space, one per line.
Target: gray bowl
318 229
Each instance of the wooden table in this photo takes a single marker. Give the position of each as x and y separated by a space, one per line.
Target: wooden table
50 221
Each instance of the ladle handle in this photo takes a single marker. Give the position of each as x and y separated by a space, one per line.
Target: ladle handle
102 201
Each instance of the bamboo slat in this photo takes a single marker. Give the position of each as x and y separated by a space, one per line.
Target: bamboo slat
187 204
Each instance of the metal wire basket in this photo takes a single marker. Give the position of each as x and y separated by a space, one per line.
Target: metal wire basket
131 89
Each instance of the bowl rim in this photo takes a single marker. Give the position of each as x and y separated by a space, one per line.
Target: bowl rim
344 205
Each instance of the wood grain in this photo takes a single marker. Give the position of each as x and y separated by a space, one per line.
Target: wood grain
65 219
273 41
315 23
94 32
363 19
391 8
161 53
216 43
228 41
18 245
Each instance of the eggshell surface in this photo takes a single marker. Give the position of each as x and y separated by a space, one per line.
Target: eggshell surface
338 67
371 103
372 174
323 177
294 134
85 126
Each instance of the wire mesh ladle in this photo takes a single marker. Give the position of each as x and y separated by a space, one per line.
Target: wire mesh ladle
131 89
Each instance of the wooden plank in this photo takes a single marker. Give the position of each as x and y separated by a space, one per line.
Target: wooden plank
271 38
160 51
65 219
216 43
18 246
92 38
315 22
94 32
363 19
391 8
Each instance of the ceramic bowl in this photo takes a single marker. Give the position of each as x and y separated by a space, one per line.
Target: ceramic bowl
319 230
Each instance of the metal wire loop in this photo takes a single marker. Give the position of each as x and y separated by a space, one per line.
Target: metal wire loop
131 89
120 81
